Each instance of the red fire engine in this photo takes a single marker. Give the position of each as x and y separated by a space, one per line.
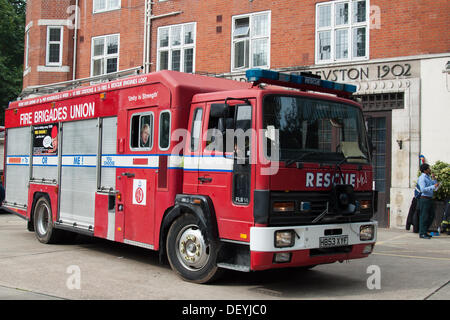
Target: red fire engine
157 161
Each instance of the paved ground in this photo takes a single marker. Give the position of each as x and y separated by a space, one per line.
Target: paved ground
408 268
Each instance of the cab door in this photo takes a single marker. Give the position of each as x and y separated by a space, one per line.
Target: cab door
137 172
192 151
226 169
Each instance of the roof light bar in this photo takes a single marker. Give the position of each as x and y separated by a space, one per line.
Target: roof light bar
303 82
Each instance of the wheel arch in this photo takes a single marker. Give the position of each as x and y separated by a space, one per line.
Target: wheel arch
36 196
203 210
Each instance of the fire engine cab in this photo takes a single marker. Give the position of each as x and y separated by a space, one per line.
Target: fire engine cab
213 173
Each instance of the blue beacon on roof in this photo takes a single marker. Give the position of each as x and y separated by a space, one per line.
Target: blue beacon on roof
312 82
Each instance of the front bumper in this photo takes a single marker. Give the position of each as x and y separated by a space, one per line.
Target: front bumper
306 248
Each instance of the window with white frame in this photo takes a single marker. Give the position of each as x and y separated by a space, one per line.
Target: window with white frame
105 5
176 47
105 54
250 41
342 30
54 46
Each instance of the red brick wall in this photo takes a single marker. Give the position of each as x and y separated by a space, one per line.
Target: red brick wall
128 21
407 27
411 27
46 9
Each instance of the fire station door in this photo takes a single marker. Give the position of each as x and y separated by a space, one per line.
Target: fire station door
138 178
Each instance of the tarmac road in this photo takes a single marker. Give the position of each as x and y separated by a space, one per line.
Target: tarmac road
402 267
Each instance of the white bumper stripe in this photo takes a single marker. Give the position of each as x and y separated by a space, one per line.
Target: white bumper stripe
263 238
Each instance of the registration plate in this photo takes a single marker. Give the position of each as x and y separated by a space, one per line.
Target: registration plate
333 241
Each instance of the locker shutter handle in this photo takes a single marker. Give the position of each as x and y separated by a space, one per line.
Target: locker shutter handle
128 174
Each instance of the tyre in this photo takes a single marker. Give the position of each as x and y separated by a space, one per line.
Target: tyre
191 255
43 222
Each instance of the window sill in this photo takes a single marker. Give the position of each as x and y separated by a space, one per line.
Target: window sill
53 69
107 10
344 61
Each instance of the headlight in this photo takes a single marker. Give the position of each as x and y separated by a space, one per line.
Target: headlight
284 238
366 232
287 206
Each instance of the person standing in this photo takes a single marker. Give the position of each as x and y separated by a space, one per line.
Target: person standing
427 185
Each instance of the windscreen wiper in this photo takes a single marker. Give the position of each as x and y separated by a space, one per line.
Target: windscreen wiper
289 162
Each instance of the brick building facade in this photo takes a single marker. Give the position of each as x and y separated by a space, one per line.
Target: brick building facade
395 52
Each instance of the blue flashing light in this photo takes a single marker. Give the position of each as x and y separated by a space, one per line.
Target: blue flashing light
299 81
284 77
338 86
256 74
349 88
327 84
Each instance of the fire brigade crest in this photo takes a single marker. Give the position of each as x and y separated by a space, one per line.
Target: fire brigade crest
140 192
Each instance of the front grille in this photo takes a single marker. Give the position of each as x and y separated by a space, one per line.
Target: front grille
319 202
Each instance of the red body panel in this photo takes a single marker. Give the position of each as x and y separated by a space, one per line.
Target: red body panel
313 177
264 260
50 190
101 215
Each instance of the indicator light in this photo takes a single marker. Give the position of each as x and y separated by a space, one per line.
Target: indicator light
287 206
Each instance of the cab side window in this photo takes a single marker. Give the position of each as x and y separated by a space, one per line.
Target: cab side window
164 130
217 132
196 129
142 131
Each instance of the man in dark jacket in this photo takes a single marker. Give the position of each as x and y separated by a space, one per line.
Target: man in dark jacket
427 185
413 214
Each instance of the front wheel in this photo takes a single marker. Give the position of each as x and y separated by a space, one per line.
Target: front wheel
191 255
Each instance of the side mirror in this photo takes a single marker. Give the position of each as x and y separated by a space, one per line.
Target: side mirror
219 110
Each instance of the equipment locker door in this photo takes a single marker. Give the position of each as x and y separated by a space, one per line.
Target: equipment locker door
17 166
138 178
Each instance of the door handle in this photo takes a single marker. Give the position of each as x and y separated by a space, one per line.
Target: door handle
128 174
204 179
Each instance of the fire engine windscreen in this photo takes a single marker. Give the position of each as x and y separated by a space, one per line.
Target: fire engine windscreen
313 129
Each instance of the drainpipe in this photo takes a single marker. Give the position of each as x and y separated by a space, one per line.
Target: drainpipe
147 32
75 36
149 37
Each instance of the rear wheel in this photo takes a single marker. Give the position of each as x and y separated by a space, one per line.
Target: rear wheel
191 255
43 222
